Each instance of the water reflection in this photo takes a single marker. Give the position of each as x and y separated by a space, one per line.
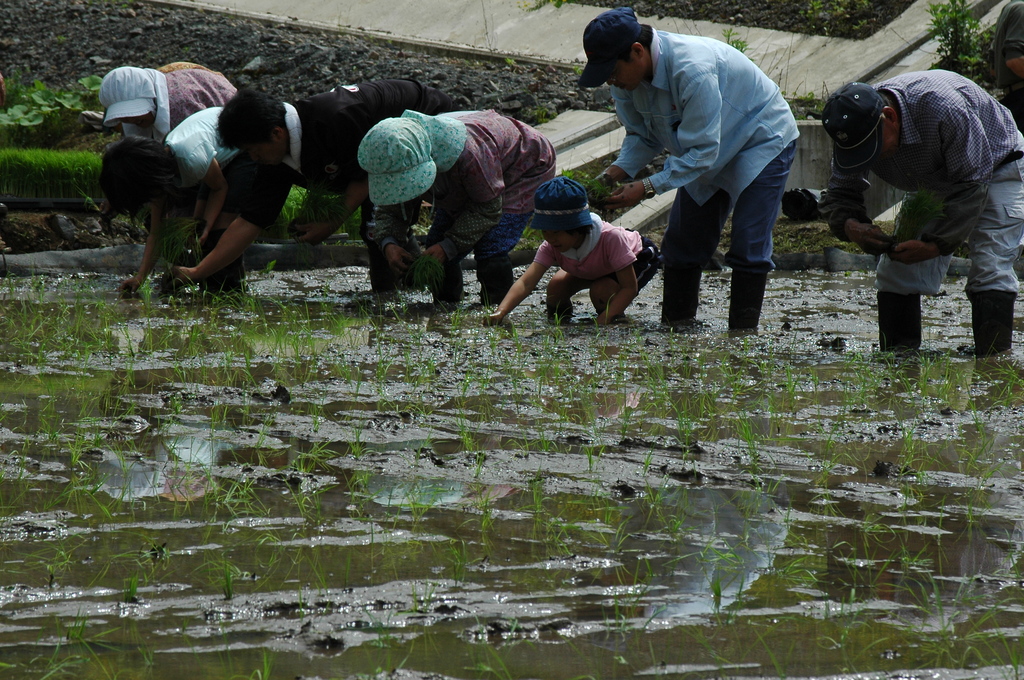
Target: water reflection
179 470
724 539
425 493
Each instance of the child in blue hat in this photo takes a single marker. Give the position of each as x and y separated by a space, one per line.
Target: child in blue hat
612 262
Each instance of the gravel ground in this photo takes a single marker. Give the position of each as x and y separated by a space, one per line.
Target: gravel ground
838 18
60 41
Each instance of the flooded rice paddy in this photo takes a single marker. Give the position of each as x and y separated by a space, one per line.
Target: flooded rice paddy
306 482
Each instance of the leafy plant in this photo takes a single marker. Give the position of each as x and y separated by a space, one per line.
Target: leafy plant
38 116
732 38
917 210
958 32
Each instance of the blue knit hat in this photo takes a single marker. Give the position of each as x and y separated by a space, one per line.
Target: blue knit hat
561 204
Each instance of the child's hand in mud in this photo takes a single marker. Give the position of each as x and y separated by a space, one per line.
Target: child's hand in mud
494 319
131 286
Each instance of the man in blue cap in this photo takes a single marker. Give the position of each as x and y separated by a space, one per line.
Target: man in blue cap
730 136
935 131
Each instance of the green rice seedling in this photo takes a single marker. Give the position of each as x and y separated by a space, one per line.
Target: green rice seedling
916 210
178 239
425 273
316 203
44 173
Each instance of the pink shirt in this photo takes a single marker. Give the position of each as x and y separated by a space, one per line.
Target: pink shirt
616 249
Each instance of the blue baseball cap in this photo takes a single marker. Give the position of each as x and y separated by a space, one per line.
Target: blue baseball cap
609 35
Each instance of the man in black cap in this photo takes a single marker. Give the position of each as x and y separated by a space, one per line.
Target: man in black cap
935 131
730 136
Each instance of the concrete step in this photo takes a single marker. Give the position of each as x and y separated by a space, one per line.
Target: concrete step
574 127
590 150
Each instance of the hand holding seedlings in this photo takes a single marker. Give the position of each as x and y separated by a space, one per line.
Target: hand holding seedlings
314 232
398 258
625 196
913 251
870 238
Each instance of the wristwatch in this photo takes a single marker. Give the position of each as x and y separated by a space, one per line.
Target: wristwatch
648 188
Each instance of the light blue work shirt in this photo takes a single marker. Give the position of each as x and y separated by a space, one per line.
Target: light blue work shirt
196 143
721 119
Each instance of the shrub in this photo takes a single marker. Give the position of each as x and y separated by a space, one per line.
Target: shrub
961 45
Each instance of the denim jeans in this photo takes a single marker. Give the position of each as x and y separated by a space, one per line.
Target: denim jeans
694 230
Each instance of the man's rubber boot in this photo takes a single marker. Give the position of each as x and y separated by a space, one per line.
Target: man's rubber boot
681 295
992 321
745 300
899 322
450 291
495 277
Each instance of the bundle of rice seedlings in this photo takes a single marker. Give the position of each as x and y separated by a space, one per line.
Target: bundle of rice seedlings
916 210
315 204
597 193
179 241
44 173
320 204
425 273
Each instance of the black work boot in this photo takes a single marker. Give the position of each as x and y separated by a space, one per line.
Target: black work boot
899 322
450 291
495 277
992 321
681 295
745 299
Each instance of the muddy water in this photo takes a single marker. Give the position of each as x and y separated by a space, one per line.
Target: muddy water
307 482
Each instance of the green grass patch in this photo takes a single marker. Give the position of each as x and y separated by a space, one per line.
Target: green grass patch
43 173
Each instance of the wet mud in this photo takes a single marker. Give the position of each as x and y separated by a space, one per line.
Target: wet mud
308 481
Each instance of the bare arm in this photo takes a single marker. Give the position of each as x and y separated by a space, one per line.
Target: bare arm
517 293
210 209
150 253
237 237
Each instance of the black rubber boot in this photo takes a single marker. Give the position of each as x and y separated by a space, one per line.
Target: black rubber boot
992 321
495 277
899 322
382 279
745 299
681 295
560 312
451 288
231 278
